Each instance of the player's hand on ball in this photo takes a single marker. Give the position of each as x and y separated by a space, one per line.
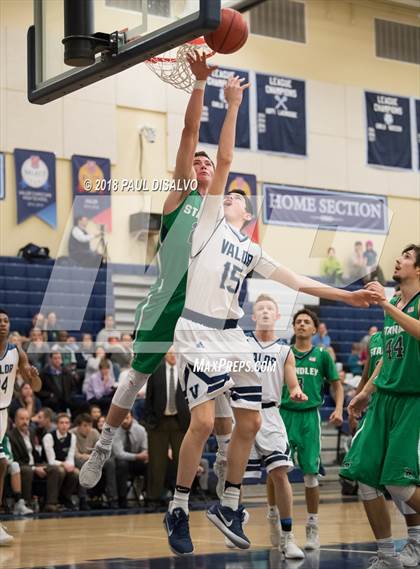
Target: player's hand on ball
234 90
297 395
336 418
199 67
358 404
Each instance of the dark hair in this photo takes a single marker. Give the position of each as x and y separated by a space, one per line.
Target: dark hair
358 243
83 418
202 153
248 203
310 313
410 247
2 311
104 364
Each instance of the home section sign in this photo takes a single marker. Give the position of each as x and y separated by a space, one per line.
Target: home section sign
388 130
281 112
324 209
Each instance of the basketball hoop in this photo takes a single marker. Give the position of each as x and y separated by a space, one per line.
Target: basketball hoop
173 67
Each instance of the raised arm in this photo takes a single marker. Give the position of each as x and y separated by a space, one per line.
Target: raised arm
190 132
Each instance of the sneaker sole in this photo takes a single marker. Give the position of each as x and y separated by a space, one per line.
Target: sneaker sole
174 551
297 556
312 547
241 543
87 483
7 543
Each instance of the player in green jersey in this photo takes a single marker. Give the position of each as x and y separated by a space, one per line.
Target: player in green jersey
156 317
384 452
314 365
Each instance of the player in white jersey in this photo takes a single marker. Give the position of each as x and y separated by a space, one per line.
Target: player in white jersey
276 365
213 353
12 359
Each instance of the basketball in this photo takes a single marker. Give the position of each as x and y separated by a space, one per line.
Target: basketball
231 35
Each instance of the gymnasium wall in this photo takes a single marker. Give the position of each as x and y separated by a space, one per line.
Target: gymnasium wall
338 62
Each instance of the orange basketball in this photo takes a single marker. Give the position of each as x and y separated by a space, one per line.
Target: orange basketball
231 35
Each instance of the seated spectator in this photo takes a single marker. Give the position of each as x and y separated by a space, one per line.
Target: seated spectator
44 423
92 366
51 327
13 469
331 268
101 386
59 447
66 349
58 385
95 413
120 352
33 467
354 363
109 330
38 321
16 339
86 438
357 263
374 270
79 244
86 351
36 348
25 398
130 450
100 423
365 340
322 338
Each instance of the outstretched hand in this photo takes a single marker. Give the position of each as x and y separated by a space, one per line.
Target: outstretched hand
234 90
363 298
199 67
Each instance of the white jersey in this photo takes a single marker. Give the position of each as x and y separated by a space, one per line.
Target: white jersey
8 368
221 258
267 356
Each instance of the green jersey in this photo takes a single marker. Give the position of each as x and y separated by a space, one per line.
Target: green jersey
375 348
312 368
401 359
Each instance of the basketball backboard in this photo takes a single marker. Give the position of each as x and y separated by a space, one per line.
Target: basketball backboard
104 37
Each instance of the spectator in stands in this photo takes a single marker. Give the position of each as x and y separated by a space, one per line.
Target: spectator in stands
58 385
357 265
13 469
322 338
80 244
44 422
166 418
25 398
16 338
51 327
59 447
66 348
374 270
36 348
130 450
109 330
101 386
354 362
95 413
100 423
120 352
32 465
38 321
85 351
86 438
331 268
365 340
92 366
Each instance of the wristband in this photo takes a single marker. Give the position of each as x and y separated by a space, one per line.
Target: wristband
201 85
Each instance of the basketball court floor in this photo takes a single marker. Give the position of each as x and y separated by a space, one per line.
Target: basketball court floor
139 542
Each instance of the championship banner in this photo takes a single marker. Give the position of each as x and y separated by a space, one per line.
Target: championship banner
281 109
417 105
92 198
247 183
35 185
324 209
214 109
2 177
388 130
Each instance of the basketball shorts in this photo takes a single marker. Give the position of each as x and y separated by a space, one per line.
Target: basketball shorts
385 448
271 448
211 362
304 432
154 334
223 409
4 417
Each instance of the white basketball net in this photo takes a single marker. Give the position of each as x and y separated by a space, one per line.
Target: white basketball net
173 67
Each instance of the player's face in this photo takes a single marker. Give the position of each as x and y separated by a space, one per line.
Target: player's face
405 266
4 326
203 168
63 425
304 326
234 206
265 315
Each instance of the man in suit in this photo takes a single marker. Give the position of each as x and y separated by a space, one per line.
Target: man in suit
166 417
32 464
58 385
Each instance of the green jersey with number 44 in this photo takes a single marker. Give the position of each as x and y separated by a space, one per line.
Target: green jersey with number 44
401 357
312 369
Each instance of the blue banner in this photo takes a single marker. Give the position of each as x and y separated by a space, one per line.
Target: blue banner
281 111
248 184
214 109
35 185
388 130
324 209
2 177
417 105
91 189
